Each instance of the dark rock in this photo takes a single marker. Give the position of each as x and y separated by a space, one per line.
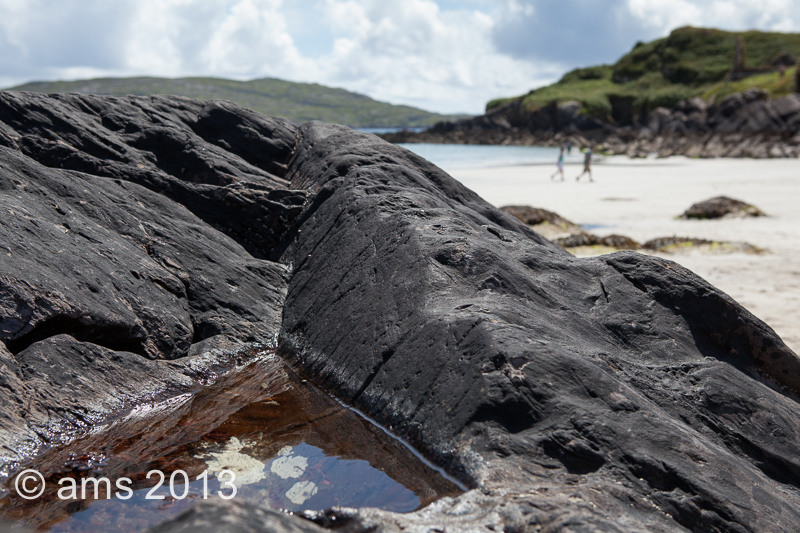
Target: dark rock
200 154
788 106
232 516
620 242
692 105
112 263
662 243
534 216
757 116
657 120
722 206
571 118
127 273
782 58
591 384
616 393
568 113
546 223
675 244
59 388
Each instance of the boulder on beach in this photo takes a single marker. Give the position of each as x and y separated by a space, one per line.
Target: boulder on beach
676 244
619 242
534 216
544 222
720 207
615 393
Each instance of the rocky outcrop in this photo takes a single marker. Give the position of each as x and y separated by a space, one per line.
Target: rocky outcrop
104 266
740 125
616 393
747 124
200 155
538 377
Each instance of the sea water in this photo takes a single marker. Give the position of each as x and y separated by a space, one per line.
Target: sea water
281 443
457 156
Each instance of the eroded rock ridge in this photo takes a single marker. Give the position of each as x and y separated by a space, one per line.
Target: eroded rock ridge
616 393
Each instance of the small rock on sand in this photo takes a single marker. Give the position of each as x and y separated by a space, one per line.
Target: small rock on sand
720 207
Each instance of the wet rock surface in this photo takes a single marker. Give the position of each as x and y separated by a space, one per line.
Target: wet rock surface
617 393
527 371
221 162
101 265
289 446
234 517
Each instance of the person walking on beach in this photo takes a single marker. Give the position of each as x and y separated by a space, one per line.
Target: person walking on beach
569 147
587 165
560 165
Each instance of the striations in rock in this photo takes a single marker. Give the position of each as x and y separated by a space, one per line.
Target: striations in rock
616 393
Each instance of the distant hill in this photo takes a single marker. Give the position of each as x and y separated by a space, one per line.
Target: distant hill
299 102
689 62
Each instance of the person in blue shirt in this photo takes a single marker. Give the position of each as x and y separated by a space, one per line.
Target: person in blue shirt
560 165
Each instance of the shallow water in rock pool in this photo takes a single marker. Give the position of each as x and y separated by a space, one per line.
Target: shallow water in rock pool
289 445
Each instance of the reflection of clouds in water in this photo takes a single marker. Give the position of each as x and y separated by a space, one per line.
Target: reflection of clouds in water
247 469
301 491
289 466
302 475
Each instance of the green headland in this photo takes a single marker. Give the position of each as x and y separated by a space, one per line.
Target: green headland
689 62
298 102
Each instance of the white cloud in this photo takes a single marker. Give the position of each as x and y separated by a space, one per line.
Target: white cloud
408 52
442 55
666 15
230 38
415 53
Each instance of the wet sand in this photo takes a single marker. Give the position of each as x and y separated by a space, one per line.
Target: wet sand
641 198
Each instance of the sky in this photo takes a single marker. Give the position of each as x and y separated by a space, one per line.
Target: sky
449 56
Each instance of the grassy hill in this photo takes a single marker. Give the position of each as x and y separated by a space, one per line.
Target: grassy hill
689 62
299 102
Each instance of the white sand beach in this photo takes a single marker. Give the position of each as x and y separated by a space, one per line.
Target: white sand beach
642 198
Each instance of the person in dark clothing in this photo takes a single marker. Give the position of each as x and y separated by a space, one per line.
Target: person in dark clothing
587 165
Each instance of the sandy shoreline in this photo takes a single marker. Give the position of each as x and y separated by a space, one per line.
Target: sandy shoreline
641 198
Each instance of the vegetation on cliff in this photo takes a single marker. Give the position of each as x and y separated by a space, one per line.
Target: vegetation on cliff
298 102
689 62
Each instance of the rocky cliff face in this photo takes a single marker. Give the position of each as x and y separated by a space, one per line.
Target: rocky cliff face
618 393
741 125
